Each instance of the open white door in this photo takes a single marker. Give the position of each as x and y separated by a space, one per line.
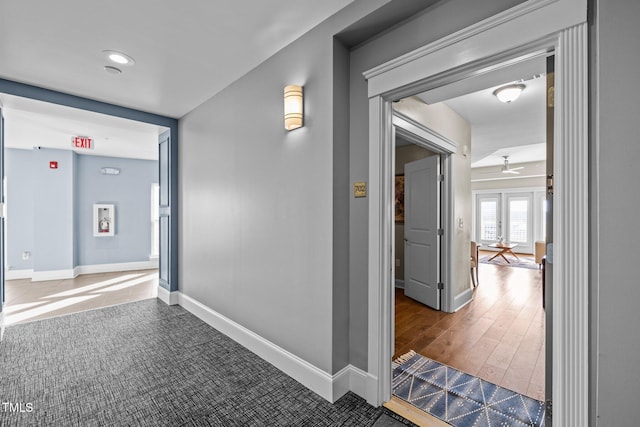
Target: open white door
421 225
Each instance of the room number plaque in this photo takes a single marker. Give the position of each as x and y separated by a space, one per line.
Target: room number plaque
360 189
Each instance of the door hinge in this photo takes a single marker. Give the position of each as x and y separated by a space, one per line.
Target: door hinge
441 178
440 231
550 185
548 409
440 286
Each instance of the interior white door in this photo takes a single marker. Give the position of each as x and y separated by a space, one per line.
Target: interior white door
421 239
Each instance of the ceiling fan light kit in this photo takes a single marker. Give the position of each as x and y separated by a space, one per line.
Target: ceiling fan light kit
509 93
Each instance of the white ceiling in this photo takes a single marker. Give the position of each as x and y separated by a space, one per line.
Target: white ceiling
183 56
517 129
30 123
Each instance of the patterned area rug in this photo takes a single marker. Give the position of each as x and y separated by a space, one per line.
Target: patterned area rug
523 263
460 399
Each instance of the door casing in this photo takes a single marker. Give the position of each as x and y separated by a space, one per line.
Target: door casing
531 29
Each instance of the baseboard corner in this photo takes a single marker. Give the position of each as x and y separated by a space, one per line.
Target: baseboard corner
169 298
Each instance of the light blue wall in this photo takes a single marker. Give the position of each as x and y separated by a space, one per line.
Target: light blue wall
130 193
53 210
19 164
50 210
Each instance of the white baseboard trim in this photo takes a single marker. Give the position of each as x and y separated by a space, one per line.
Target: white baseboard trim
355 380
399 284
41 276
169 298
363 384
462 299
330 387
18 274
121 266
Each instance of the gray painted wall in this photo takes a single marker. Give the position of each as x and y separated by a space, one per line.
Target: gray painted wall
261 224
615 205
50 211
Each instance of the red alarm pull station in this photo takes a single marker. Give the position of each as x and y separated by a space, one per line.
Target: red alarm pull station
53 165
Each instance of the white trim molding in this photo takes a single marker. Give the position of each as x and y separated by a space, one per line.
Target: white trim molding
18 274
570 231
169 298
115 267
42 276
535 28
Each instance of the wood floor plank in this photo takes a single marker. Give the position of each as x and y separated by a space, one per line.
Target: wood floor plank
499 336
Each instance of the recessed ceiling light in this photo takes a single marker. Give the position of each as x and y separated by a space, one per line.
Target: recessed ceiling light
119 57
112 70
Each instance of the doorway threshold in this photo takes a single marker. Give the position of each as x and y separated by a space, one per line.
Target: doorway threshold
413 414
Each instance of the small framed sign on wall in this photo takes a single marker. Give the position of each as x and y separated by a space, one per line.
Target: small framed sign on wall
104 217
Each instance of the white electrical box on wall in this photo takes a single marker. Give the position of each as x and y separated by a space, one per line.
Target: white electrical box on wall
104 218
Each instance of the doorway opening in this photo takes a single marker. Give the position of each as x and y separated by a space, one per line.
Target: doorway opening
442 63
79 218
498 333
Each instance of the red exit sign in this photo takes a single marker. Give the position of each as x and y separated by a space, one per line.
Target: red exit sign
83 142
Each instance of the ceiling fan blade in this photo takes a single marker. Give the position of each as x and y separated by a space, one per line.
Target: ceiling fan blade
512 171
517 169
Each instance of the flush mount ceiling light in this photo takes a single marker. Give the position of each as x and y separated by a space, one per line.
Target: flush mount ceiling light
119 57
509 93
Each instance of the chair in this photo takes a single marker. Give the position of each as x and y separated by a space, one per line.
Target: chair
474 263
540 251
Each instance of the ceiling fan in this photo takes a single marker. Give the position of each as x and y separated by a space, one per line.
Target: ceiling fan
505 168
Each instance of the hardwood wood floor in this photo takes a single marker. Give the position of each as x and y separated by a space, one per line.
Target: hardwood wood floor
27 300
498 337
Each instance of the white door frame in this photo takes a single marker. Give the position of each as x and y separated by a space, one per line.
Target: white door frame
533 28
424 137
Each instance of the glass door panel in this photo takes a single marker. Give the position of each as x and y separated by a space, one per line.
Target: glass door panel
488 218
519 222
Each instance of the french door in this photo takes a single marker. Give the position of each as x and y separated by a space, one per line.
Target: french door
506 216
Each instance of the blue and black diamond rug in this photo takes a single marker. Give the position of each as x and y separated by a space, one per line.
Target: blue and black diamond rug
460 399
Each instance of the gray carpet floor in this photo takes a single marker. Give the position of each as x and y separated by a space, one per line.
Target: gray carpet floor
149 364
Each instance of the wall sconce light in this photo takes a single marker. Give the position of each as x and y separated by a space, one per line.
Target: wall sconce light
293 107
509 93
